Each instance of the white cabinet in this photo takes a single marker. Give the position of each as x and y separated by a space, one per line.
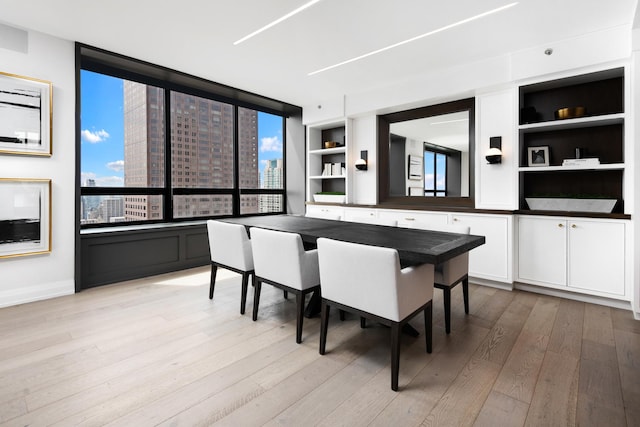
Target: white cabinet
407 218
326 210
354 214
542 250
596 256
493 260
586 255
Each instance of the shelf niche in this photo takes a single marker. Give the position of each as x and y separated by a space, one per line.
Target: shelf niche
338 135
600 93
602 137
604 142
573 184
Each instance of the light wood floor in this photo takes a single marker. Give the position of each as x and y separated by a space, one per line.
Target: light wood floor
158 352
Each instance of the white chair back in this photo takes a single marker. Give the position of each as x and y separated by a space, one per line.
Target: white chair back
280 257
369 278
229 245
376 221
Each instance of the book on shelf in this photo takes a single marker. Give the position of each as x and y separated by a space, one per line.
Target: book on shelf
581 162
327 169
336 170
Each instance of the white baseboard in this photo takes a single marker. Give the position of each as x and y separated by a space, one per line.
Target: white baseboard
491 283
36 293
610 302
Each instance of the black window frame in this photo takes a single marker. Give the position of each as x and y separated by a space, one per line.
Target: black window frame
101 61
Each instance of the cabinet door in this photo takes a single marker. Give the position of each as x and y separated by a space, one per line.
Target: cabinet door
492 260
542 249
596 256
354 214
408 218
326 210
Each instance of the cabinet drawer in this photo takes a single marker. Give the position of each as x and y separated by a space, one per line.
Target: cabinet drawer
407 218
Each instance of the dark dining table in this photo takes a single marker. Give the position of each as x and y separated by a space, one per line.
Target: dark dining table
414 246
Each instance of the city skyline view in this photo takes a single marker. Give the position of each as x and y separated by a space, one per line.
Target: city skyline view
102 132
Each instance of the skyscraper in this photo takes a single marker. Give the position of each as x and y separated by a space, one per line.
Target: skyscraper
202 152
272 177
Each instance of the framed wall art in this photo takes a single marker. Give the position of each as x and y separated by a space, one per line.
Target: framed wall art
25 217
415 168
25 115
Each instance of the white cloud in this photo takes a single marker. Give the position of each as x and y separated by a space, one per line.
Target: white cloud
117 166
110 181
270 143
94 137
428 180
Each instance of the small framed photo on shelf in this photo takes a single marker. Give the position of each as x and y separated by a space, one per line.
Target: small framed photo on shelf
25 115
538 156
25 216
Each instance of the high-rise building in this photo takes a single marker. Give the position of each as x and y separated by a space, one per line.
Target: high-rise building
111 208
202 152
272 177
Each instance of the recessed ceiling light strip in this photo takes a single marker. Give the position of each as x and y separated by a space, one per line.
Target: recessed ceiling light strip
277 21
430 33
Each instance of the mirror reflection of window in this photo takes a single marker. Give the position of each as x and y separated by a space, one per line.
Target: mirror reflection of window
446 137
435 174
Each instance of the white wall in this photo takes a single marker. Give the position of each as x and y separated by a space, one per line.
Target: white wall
496 184
36 277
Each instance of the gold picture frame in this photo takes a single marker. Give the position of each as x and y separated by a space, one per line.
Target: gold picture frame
26 106
25 217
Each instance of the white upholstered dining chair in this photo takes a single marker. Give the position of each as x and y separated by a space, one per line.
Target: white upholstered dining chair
281 260
230 248
451 272
368 281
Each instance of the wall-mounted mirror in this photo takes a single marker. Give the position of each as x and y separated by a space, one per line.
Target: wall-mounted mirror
425 155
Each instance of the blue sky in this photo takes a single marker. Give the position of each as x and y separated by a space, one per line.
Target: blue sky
102 131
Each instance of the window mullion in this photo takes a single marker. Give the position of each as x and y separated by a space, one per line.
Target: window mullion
168 168
236 163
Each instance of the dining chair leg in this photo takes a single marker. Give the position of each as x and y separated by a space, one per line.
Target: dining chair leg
395 355
324 325
256 299
214 271
428 326
243 296
446 293
299 316
286 294
465 294
363 322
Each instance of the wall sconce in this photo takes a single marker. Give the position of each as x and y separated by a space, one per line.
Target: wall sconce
361 163
494 155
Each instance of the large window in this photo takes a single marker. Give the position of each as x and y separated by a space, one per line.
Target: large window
154 152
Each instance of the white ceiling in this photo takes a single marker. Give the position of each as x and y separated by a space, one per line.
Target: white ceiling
197 36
